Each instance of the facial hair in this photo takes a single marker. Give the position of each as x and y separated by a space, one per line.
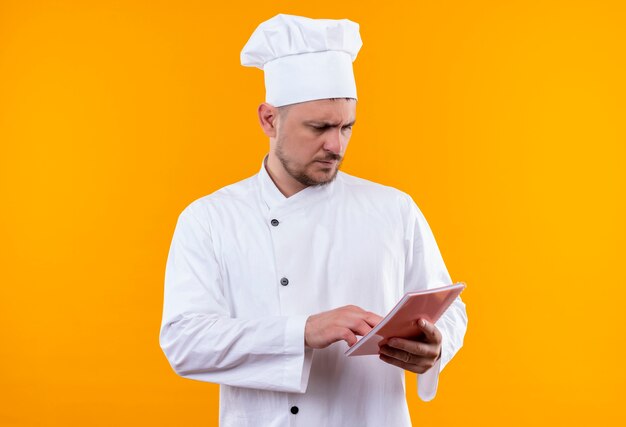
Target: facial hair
301 175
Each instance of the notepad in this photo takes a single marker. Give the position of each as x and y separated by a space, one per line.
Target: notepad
428 304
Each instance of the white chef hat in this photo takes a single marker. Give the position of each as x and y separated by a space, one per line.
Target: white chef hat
304 59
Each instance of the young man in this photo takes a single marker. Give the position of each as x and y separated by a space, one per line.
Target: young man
269 280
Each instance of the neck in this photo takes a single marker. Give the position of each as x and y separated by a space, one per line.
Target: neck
283 181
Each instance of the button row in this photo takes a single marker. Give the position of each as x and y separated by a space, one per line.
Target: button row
284 281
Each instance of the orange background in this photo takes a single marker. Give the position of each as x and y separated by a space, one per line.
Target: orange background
503 119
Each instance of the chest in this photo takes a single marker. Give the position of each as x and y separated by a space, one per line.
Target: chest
310 260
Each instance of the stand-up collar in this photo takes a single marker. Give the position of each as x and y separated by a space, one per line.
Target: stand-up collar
274 199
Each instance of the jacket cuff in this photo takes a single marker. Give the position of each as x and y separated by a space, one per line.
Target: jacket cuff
428 381
298 367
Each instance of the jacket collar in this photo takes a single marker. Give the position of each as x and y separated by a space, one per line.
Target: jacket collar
275 200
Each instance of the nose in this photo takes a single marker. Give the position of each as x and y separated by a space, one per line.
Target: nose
334 142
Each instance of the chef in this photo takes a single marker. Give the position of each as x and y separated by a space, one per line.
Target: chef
271 279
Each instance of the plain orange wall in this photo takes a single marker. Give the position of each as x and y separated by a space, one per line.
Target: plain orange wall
503 119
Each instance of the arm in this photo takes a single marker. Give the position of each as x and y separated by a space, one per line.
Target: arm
201 339
425 269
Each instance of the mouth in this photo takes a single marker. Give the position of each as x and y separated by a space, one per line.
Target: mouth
327 162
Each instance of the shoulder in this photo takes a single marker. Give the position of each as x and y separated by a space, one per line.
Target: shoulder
228 198
360 188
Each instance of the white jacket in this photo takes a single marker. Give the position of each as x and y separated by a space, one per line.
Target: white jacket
247 266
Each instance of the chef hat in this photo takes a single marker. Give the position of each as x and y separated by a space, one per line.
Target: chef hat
304 59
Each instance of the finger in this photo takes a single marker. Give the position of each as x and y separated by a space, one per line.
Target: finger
430 331
418 369
394 353
346 335
407 357
361 328
422 349
372 319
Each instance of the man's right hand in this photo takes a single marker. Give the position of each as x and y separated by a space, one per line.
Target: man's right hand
343 323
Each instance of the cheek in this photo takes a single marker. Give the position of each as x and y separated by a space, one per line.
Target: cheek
306 145
301 145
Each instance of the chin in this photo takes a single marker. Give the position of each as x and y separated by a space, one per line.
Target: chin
326 178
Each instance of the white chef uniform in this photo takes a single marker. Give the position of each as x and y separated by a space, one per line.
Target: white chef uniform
247 266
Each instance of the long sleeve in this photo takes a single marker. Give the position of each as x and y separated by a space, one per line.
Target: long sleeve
201 339
426 269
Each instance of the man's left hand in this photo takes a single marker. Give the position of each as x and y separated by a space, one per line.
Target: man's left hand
418 355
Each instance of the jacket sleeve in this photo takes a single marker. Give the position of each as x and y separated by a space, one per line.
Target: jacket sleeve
200 338
425 269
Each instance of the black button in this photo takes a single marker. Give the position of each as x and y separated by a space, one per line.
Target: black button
294 410
284 281
275 222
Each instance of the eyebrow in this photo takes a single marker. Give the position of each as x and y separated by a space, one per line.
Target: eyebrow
326 124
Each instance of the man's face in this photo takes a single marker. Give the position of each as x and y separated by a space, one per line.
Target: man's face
312 138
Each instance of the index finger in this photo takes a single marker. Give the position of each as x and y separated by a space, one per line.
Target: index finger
372 319
430 330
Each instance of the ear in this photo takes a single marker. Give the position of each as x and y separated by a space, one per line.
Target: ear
268 115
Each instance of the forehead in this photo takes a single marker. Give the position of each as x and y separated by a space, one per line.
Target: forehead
324 110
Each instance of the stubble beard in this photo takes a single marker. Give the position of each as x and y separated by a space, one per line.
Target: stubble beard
301 175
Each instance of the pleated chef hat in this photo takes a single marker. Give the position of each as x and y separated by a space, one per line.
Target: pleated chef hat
304 59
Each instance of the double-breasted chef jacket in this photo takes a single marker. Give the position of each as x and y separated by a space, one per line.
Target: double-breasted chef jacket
247 266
